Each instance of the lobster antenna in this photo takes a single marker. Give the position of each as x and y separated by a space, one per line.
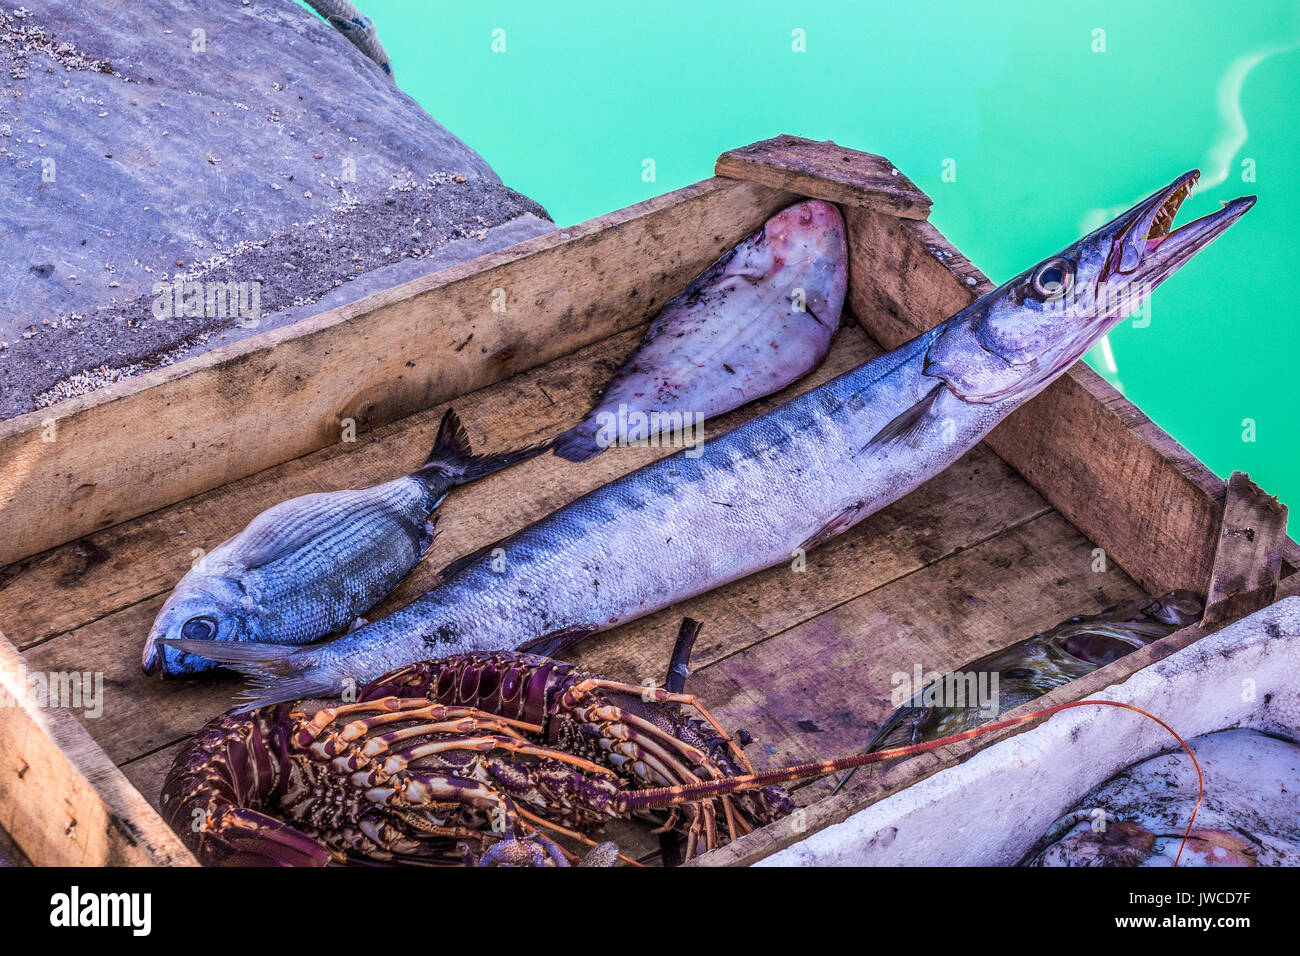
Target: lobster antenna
659 798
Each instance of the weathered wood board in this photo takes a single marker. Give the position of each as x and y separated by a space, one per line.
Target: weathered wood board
826 171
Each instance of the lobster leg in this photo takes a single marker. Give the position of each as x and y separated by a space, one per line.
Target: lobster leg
258 840
610 721
465 725
645 749
399 761
667 697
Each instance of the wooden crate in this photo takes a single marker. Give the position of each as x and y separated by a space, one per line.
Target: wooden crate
106 496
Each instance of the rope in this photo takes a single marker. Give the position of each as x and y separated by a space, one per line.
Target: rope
357 27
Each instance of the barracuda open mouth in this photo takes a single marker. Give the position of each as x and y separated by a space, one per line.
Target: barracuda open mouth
1162 224
1150 250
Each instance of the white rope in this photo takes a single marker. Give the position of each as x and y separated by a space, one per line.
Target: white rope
357 27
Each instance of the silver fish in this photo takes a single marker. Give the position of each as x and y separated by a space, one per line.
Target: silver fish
1028 669
762 316
784 481
313 565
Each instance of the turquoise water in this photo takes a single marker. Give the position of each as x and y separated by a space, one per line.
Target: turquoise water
1045 133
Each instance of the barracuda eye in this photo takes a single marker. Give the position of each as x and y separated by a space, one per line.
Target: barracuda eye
1053 278
199 629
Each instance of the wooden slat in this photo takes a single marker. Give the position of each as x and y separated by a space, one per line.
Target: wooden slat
887 779
134 447
139 559
61 799
1091 453
1248 560
822 689
826 171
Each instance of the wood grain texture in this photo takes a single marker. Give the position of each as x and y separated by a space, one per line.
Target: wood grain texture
1119 478
62 589
823 170
884 780
823 688
62 801
133 447
1248 560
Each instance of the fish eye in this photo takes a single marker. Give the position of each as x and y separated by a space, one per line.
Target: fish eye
199 629
1053 278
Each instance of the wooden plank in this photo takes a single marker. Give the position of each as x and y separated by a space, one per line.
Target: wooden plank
1125 483
974 500
61 799
827 171
1248 560
823 688
889 779
131 448
64 588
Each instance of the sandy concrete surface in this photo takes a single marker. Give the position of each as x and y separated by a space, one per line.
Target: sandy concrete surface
241 148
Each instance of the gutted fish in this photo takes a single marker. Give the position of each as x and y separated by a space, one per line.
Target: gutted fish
1250 816
313 565
784 481
759 318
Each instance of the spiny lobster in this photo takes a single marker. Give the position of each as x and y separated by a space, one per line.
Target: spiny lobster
474 759
469 759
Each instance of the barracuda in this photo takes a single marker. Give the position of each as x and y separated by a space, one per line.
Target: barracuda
786 480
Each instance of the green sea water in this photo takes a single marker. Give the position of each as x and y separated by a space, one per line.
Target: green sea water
1045 117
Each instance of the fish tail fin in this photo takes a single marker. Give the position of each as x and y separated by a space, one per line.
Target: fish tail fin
264 691
276 672
577 444
452 462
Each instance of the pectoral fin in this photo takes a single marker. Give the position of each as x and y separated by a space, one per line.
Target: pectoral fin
842 521
549 645
908 427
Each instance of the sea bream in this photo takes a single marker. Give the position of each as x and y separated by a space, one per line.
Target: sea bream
762 316
310 566
784 481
